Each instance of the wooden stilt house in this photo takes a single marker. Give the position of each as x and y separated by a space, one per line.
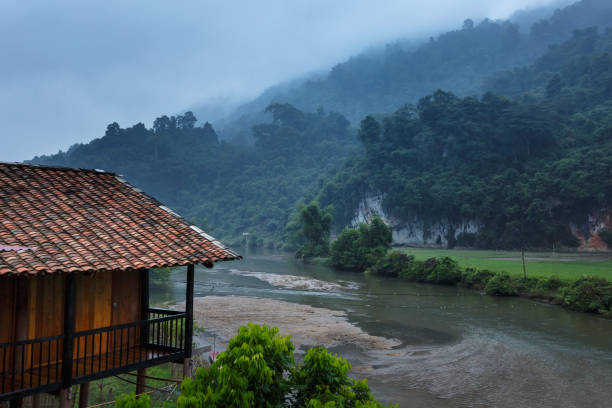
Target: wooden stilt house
75 250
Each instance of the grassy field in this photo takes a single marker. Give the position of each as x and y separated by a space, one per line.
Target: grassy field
567 266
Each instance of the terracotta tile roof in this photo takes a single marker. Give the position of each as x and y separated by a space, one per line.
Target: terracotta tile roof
55 219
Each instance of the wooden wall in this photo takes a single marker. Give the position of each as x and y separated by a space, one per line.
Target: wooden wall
7 309
33 307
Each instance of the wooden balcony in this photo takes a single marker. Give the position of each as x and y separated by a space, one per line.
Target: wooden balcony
34 366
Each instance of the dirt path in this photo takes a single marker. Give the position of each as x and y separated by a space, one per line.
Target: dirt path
307 325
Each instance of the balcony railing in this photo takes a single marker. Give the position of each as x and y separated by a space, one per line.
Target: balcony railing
34 366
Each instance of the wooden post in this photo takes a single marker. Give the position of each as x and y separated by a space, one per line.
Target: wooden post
84 395
36 401
65 397
189 321
187 367
67 350
144 306
141 380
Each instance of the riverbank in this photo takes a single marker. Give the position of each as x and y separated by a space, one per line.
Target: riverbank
576 281
563 265
582 294
308 326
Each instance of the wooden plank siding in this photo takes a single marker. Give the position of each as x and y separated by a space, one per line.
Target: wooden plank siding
33 308
7 318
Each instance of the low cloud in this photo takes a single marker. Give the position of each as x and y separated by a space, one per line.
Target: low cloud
71 67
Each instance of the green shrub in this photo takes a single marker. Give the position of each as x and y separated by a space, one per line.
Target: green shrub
258 370
252 370
445 271
392 264
588 294
363 247
476 278
501 284
130 401
346 253
414 271
551 283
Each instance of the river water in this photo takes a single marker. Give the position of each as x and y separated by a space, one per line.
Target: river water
458 348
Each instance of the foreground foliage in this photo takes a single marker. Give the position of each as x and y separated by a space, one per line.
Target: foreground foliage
258 369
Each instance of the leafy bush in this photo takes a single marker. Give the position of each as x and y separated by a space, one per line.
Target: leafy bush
445 271
130 401
550 283
361 248
501 284
250 373
415 271
321 381
476 278
258 370
392 264
589 294
346 253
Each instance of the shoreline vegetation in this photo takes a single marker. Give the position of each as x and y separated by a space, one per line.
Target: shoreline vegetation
554 279
367 248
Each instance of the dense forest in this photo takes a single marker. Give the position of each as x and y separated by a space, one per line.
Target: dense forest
528 155
225 188
459 61
523 168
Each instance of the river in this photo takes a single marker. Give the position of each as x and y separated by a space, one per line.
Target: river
457 347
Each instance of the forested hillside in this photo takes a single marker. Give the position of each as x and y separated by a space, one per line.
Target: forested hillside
520 169
227 189
457 61
517 164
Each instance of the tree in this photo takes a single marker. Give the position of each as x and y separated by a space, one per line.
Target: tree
315 227
187 121
554 86
359 249
209 134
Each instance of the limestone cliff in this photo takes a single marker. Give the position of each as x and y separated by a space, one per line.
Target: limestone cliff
418 232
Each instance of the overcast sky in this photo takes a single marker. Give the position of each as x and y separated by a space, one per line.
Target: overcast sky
69 68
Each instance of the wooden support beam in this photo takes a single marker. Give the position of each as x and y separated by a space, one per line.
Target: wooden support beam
189 311
84 395
36 401
187 368
141 381
67 349
65 396
144 305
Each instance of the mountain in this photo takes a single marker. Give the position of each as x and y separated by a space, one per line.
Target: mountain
456 61
525 163
490 171
228 189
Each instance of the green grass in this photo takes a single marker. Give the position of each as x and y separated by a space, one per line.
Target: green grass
566 266
110 388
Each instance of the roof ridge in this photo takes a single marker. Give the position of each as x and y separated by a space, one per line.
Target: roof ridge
60 168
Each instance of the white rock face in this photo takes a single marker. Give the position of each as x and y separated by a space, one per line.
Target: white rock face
413 232
416 232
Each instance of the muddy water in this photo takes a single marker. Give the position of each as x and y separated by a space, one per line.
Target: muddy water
457 348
